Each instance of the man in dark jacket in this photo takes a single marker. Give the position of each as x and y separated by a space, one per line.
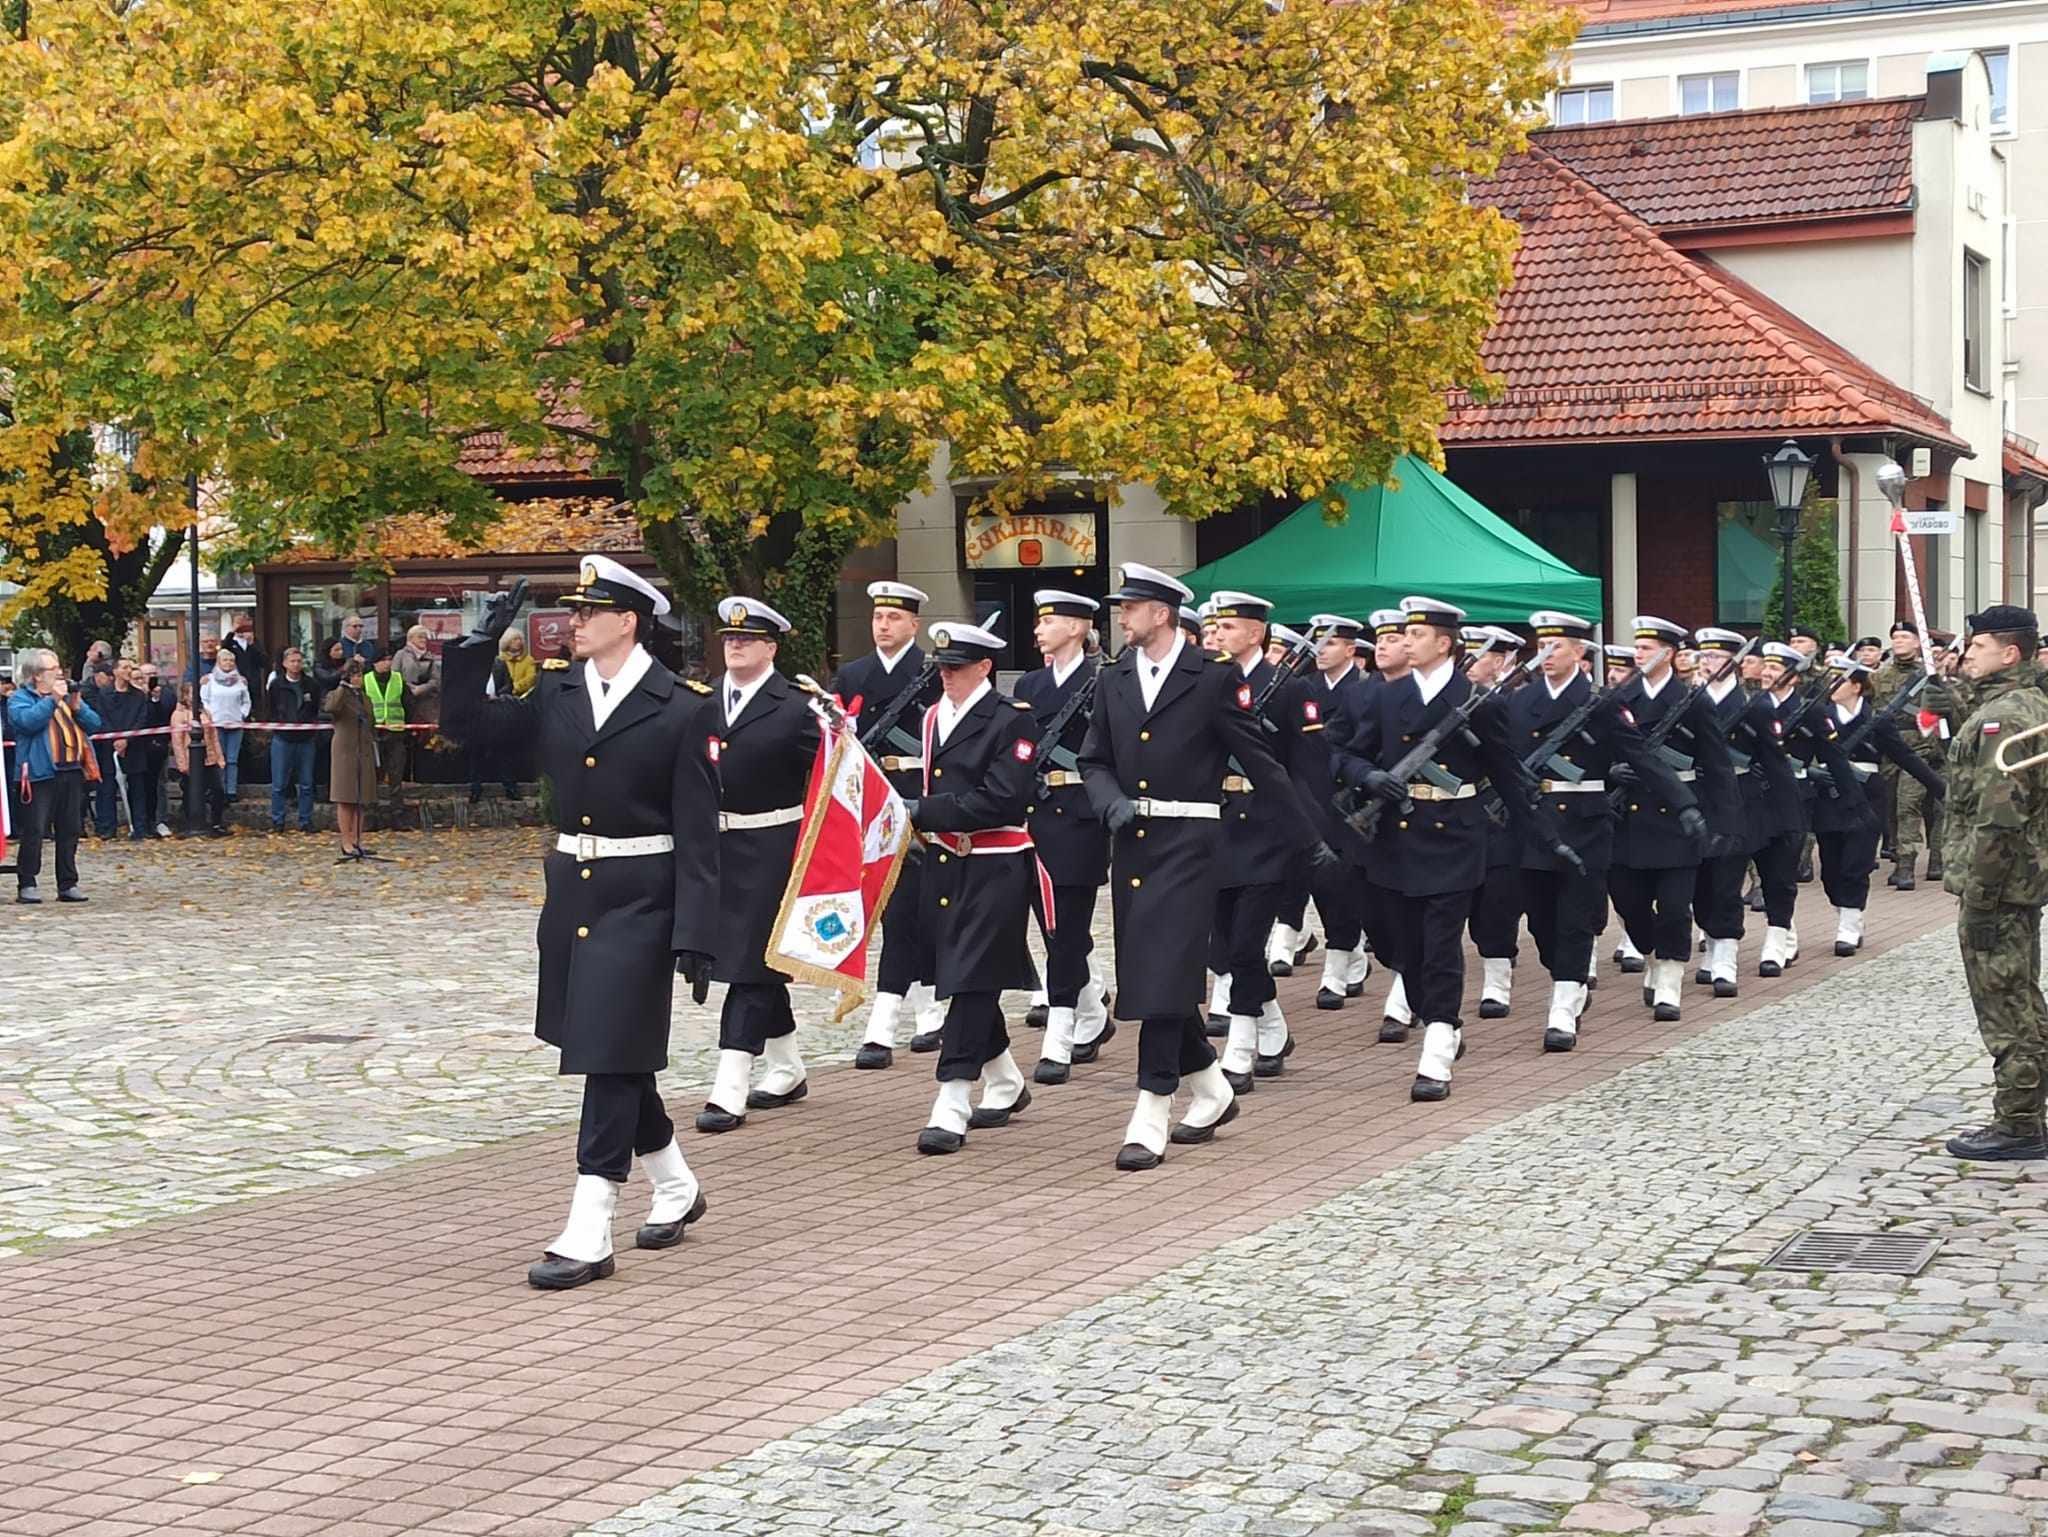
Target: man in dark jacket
632 886
122 707
290 699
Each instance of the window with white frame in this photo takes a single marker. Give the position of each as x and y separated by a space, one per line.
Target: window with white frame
1976 320
1845 81
1577 104
1709 93
1998 64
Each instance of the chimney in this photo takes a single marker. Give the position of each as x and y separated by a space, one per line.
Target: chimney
1944 101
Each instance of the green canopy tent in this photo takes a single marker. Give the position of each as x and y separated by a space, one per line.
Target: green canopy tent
1424 536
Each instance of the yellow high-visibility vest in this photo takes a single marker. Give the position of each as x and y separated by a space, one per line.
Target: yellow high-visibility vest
387 704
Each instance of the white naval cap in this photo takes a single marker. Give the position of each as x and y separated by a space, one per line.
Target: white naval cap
1791 656
1283 634
1239 605
1555 624
1148 584
1051 600
1662 631
897 595
957 644
1714 638
1191 620
1434 611
1388 621
750 616
1327 625
603 583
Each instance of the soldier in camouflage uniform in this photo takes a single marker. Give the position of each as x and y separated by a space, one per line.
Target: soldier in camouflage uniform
1911 806
1997 848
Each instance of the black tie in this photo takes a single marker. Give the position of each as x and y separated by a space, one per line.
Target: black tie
732 707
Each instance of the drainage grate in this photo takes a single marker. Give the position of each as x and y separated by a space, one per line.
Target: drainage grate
315 1038
1879 1253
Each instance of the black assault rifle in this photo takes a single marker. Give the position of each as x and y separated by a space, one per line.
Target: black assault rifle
884 732
1543 760
1670 720
1894 707
1056 755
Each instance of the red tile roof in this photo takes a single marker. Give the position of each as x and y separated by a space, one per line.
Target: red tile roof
1608 333
487 456
1773 165
1608 13
545 526
2023 459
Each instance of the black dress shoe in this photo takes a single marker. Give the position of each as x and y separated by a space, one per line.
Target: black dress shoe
1354 989
1326 999
1649 995
1846 947
1049 1071
1702 977
1037 1015
1087 1051
1903 882
1492 1008
1994 1144
1632 964
1309 947
936 1139
1216 1026
1428 1090
666 1235
1392 1032
1133 1156
1724 988
925 1040
1769 969
1592 984
713 1118
552 1273
983 1117
1665 1013
764 1099
70 894
1934 868
1189 1136
1279 968
1240 1083
1559 1040
1273 1066
28 896
873 1056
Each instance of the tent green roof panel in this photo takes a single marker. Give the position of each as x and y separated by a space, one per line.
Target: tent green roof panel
1421 536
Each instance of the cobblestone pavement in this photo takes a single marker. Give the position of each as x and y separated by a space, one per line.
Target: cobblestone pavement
237 1019
1556 1323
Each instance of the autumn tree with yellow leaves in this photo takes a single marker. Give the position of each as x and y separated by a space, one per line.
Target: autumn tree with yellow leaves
756 258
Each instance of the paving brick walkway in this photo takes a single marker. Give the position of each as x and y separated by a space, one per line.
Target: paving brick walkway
363 1357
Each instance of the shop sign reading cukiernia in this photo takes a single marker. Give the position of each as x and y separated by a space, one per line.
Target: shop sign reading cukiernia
1028 540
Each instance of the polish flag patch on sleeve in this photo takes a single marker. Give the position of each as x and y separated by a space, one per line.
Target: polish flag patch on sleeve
1310 711
1244 696
712 748
1026 749
1989 728
1628 715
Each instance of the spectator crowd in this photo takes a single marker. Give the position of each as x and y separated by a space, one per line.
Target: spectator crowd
62 785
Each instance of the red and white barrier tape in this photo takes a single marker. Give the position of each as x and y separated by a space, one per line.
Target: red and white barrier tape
250 725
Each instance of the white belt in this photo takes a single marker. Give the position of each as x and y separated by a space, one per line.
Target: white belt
586 846
894 765
1687 776
1423 790
1201 811
742 821
1059 779
1236 784
1566 787
1863 770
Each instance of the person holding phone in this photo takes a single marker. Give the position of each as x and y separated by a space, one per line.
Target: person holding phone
352 781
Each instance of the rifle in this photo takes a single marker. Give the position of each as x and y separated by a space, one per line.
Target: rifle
1543 760
1285 671
1419 762
1894 706
1668 722
883 730
1057 756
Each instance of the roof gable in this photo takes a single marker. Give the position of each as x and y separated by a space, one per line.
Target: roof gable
1608 333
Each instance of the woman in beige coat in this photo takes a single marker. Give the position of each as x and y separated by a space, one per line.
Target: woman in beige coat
352 781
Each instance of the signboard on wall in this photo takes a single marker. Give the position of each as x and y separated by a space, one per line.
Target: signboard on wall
1028 541
1933 520
547 632
441 625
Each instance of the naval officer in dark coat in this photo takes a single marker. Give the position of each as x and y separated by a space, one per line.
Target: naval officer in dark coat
1166 721
873 687
981 757
1311 703
1071 844
632 887
769 743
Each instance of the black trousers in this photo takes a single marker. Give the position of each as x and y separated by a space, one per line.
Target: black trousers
1566 911
622 1117
1294 894
1339 894
1656 908
53 813
1068 946
1373 904
1496 916
975 1034
1244 917
106 797
1427 940
1717 895
905 960
1846 860
754 1014
1171 1049
1777 867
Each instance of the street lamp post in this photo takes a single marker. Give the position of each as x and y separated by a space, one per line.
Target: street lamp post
196 776
1788 469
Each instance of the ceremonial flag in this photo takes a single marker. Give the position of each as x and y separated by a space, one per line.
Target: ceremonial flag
855 830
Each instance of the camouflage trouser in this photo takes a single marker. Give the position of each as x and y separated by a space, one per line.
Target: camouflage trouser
2002 962
1916 809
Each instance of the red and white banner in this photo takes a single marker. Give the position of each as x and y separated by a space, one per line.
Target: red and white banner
855 830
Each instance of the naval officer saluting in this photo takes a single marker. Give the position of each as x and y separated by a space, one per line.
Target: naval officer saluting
632 886
770 741
1165 723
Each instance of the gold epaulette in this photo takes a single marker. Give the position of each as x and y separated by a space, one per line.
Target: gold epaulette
1219 656
555 663
1018 704
696 687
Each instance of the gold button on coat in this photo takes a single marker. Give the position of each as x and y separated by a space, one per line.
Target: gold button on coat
585 874
945 901
1137 880
586 821
583 933
590 763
